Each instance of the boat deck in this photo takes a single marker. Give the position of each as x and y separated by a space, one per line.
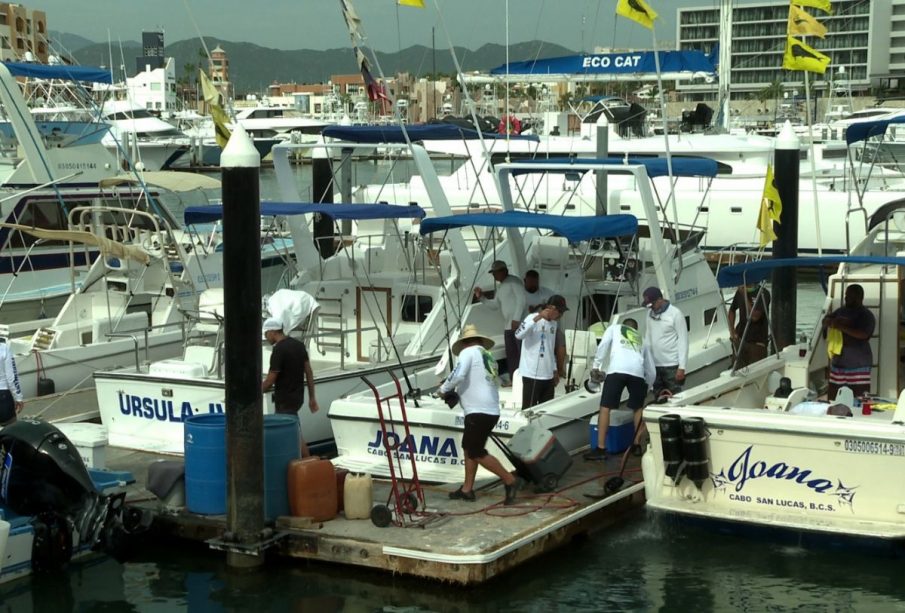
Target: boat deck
458 542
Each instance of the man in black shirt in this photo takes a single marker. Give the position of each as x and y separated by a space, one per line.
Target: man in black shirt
290 369
750 304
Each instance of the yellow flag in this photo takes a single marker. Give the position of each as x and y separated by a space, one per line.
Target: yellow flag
212 98
637 10
802 23
799 56
823 5
770 209
417 3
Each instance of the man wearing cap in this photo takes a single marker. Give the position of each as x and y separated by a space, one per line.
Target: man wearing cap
473 382
510 300
539 364
667 335
290 370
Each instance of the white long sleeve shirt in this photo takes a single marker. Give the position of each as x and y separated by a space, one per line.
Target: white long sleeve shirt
667 336
10 379
538 298
628 354
538 355
509 299
475 379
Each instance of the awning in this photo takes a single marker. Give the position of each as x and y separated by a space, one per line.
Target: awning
167 179
755 272
634 65
862 130
207 214
656 167
416 133
63 72
575 228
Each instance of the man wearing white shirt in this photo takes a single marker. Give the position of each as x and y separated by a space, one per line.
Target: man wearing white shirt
540 365
536 295
631 366
10 389
510 301
667 335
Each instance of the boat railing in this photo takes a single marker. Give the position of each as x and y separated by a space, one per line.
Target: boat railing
145 332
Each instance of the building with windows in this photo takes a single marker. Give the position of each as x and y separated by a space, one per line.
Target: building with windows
23 34
862 37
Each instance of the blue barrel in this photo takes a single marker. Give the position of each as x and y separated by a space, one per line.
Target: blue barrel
205 464
281 446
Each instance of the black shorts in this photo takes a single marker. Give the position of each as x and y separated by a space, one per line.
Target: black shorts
612 391
478 427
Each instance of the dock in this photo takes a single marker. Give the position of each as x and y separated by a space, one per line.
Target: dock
459 542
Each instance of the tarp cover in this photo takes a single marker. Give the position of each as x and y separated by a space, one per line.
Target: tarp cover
862 130
419 132
167 179
291 307
629 63
755 272
656 167
575 228
63 72
106 245
207 214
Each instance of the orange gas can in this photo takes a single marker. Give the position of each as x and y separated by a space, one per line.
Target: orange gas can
312 489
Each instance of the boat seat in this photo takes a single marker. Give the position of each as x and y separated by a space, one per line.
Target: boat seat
845 396
797 396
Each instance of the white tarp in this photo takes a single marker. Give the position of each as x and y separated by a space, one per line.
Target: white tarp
291 307
167 179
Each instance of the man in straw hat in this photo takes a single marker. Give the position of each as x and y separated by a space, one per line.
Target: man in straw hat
474 379
290 369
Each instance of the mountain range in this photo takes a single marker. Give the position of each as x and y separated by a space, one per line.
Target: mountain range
253 67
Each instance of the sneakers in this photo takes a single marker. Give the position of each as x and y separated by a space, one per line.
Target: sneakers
460 495
597 454
512 491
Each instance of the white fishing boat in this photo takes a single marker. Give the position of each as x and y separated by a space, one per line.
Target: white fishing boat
766 457
598 266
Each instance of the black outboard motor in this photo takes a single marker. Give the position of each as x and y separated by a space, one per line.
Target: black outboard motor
42 475
784 389
671 445
694 450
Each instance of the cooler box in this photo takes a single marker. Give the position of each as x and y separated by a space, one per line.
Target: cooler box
545 459
90 441
620 434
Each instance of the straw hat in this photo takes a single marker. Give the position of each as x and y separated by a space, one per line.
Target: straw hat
471 332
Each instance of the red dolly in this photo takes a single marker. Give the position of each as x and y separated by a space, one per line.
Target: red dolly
406 496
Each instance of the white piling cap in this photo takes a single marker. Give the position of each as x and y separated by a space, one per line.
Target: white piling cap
787 140
240 152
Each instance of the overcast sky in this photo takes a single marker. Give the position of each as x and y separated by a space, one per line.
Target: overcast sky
317 24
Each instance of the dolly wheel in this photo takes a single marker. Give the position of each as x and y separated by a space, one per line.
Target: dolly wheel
549 482
410 502
381 515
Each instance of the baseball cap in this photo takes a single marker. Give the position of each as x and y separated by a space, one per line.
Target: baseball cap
498 265
651 295
558 302
272 323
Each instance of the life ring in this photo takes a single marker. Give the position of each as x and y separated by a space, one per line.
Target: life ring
510 124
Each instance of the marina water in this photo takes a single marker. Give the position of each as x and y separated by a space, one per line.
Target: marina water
645 564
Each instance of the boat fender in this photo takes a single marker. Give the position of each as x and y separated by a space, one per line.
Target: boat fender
51 548
671 445
694 450
651 475
46 386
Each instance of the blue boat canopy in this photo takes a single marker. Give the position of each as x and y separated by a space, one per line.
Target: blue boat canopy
418 132
755 272
574 228
862 130
635 64
207 214
63 72
656 167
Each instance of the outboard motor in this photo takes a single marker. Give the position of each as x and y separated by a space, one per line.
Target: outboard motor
42 475
694 450
784 389
671 445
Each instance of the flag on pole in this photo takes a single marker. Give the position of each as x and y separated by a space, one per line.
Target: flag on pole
802 23
375 90
799 56
770 209
638 11
823 5
213 99
416 3
353 21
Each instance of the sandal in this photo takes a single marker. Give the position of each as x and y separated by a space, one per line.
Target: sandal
460 495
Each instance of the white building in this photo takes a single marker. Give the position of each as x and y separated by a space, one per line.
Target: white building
154 88
868 38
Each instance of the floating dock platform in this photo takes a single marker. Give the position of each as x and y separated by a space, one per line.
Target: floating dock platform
465 543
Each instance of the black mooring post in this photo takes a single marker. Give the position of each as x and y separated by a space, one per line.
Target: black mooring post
785 280
242 304
322 187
